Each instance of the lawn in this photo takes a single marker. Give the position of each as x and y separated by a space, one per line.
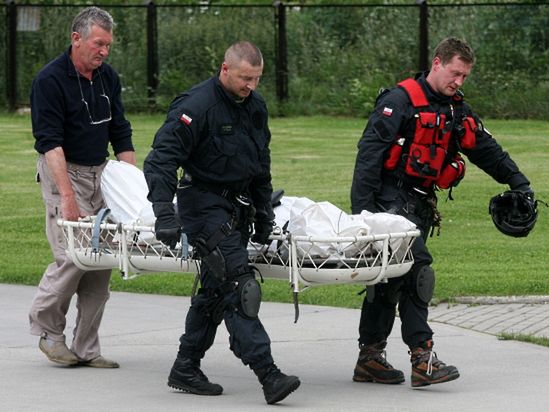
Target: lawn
314 157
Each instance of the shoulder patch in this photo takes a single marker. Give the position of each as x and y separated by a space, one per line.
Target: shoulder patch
387 111
185 118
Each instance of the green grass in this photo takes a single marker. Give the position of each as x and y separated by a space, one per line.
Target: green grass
537 340
314 157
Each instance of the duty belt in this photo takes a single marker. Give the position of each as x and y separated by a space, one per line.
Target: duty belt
229 194
410 185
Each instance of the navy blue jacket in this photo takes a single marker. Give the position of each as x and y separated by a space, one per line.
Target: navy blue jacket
217 141
60 118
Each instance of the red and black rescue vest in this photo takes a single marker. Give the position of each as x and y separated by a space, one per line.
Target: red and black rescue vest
426 156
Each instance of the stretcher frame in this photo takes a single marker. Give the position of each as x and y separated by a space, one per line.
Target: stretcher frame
132 248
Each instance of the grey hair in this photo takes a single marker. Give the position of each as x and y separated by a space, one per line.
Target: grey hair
84 20
244 51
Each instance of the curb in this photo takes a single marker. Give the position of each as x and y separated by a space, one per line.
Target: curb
496 300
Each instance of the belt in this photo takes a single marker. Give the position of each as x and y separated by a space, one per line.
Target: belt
229 194
85 168
408 184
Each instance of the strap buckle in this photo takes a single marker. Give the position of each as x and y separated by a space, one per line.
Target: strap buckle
243 200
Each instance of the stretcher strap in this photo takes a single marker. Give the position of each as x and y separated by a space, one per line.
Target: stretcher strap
184 246
103 213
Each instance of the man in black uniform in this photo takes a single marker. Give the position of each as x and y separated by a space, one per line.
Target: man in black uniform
411 147
217 133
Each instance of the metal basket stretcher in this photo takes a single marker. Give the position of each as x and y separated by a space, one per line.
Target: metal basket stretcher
93 244
132 248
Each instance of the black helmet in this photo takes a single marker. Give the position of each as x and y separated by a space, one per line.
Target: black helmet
514 212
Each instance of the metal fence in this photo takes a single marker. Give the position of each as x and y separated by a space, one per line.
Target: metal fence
319 58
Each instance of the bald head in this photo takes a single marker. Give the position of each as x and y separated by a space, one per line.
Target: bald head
243 51
241 69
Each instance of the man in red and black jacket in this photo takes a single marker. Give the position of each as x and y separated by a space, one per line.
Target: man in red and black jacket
411 147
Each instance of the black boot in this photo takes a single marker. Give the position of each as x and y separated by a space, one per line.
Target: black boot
427 369
187 376
372 365
276 385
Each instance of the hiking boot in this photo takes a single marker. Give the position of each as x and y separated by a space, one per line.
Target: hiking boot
372 366
57 351
427 369
276 385
187 377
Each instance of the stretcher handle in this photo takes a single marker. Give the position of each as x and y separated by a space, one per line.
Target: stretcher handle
103 213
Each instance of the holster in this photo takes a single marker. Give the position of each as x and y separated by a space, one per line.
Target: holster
212 258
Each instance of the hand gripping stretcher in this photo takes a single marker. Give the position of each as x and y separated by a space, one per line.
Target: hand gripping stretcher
360 249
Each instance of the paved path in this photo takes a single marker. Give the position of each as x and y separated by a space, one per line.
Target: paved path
528 315
141 332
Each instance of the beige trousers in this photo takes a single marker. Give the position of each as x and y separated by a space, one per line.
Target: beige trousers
62 279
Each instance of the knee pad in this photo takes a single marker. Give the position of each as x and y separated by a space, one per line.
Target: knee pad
423 285
249 292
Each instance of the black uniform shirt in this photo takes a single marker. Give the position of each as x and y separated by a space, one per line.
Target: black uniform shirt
216 140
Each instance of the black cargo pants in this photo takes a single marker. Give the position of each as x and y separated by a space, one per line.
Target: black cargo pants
202 213
378 314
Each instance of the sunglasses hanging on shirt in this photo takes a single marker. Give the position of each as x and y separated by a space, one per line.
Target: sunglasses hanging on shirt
104 102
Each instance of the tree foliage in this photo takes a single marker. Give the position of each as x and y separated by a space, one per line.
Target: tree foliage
339 55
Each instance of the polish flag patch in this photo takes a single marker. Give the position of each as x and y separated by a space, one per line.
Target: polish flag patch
387 111
186 119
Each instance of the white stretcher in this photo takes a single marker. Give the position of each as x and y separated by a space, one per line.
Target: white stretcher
94 245
360 249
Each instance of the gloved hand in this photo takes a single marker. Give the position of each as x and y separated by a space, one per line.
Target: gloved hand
167 232
167 228
527 190
262 231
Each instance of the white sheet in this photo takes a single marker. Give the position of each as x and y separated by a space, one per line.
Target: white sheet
305 217
125 191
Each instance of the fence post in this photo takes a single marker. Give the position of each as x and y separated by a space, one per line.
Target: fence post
281 52
423 35
152 54
11 54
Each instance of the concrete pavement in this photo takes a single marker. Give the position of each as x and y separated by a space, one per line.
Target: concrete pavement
525 315
141 332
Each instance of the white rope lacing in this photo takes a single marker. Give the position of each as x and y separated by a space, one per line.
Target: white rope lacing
432 356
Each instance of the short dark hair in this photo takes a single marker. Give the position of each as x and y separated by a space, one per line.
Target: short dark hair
452 46
244 51
84 20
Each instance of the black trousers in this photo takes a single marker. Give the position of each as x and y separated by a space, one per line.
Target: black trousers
378 314
202 213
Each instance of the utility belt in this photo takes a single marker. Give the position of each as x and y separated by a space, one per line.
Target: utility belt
419 200
237 197
408 184
241 218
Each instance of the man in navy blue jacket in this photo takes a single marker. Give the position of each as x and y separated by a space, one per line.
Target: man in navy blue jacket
217 132
76 112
